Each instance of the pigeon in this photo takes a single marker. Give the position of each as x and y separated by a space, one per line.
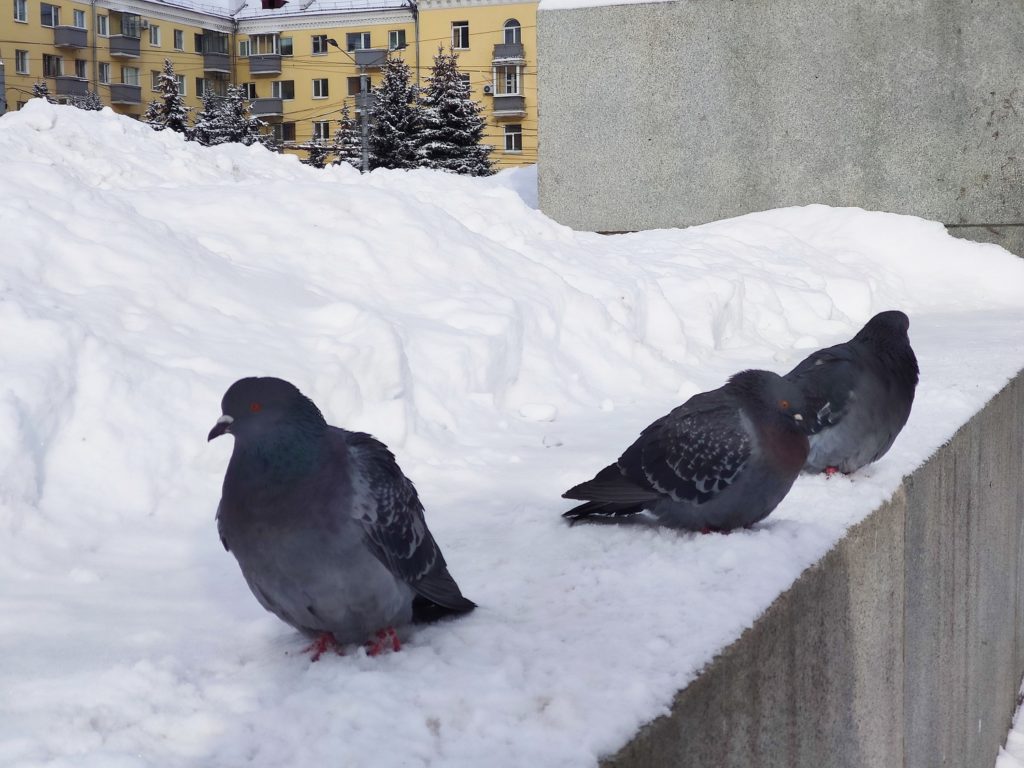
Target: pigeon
328 531
859 394
724 459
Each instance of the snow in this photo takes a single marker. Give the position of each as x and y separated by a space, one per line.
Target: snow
503 358
1011 754
560 5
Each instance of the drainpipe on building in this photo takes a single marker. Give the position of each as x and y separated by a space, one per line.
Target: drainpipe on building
415 9
95 55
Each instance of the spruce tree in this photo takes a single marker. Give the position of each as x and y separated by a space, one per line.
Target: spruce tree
348 140
41 90
225 119
452 124
169 111
394 129
90 102
317 153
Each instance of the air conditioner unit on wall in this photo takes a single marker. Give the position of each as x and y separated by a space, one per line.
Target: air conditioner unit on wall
145 24
488 89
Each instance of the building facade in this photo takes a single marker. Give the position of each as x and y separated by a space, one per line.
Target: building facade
299 61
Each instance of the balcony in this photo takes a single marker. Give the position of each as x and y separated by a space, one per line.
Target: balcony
124 46
122 93
69 37
265 64
71 86
509 53
509 106
217 62
268 108
371 58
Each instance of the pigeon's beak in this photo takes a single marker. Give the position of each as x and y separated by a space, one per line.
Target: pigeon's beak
223 425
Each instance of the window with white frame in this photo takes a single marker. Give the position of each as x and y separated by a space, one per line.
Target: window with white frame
21 10
53 66
465 81
285 46
282 89
130 75
21 62
104 73
357 41
180 80
154 76
396 39
243 49
514 138
322 130
200 86
264 45
507 80
154 35
283 132
49 15
320 88
103 25
319 45
460 35
513 32
80 69
179 40
79 17
250 90
354 86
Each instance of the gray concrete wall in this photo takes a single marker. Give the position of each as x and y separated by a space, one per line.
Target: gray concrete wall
903 647
678 113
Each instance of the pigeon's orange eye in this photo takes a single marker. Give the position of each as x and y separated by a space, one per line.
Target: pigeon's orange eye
784 404
255 407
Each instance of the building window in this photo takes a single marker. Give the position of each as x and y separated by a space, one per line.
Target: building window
80 73
282 89
460 34
357 41
154 76
21 62
104 72
154 35
506 81
53 66
130 75
179 40
465 81
285 45
79 17
513 32
200 87
103 25
49 15
396 39
243 49
250 90
514 138
180 80
266 45
197 41
131 23
320 88
283 132
21 10
319 45
354 87
322 130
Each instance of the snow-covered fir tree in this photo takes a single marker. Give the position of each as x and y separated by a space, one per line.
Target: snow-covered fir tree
225 119
394 128
348 140
316 153
452 124
41 90
90 102
169 111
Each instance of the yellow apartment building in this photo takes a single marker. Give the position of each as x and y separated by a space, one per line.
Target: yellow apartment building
299 60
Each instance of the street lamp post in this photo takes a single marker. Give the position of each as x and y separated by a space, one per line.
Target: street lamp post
364 92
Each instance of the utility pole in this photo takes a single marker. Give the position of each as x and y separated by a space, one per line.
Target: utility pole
364 97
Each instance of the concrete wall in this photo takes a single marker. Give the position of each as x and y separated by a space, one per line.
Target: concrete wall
696 110
903 647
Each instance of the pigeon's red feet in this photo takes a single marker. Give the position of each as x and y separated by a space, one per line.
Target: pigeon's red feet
386 639
829 471
323 642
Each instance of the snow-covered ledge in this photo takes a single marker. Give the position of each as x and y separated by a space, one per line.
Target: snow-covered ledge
903 646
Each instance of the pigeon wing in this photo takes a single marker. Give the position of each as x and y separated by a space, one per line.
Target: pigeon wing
828 380
388 508
692 454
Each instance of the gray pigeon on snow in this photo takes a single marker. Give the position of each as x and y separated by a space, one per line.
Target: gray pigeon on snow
859 394
724 459
328 532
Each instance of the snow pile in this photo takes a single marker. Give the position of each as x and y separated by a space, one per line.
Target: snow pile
502 357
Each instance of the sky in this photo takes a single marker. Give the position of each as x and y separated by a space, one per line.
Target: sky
501 356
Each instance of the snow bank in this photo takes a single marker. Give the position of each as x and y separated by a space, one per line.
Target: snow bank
503 358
